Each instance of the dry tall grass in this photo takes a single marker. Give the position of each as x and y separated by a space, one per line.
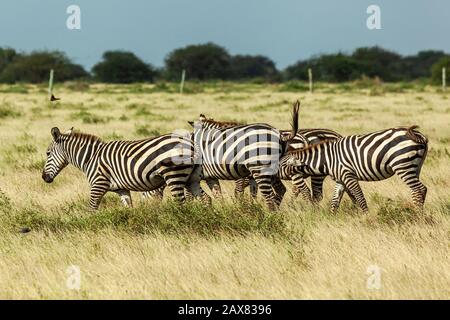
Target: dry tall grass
230 250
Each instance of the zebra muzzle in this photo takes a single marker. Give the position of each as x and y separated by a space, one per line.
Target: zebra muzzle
47 178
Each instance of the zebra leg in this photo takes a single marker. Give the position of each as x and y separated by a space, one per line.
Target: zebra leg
350 195
194 188
300 187
317 188
265 186
125 197
253 187
279 189
239 187
188 194
176 187
417 188
353 186
339 189
157 193
214 186
98 190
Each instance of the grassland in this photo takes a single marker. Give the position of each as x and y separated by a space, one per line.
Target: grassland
229 250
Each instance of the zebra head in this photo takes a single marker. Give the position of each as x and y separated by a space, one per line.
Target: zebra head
295 156
57 158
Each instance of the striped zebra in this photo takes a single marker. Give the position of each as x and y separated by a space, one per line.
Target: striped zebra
124 166
244 150
285 172
369 157
212 183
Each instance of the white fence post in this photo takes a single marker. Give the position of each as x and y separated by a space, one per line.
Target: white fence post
310 77
183 76
50 85
444 78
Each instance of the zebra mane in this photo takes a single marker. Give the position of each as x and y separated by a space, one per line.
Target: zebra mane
219 124
83 136
415 135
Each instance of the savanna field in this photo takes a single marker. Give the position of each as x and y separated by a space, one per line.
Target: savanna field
230 250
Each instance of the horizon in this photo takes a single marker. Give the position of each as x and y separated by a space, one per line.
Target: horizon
264 28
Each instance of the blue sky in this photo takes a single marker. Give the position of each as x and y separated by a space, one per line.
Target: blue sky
284 30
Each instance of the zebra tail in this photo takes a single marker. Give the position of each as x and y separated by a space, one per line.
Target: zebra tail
416 136
294 124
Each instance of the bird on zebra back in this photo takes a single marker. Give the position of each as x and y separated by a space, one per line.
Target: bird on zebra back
239 151
368 157
124 166
303 138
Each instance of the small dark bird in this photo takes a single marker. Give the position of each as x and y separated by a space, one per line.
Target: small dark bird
53 98
25 230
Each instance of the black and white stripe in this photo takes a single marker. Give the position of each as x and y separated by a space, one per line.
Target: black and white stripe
303 138
124 166
369 157
244 150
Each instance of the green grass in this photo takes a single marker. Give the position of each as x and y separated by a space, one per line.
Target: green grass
88 118
7 111
144 131
14 89
167 218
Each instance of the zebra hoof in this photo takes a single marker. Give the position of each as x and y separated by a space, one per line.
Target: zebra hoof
24 230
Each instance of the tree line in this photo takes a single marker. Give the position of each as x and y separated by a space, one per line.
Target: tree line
212 62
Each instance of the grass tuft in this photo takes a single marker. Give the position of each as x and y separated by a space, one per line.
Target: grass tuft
167 218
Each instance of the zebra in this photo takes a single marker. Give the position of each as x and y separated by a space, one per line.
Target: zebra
303 138
244 150
312 136
212 183
124 166
369 157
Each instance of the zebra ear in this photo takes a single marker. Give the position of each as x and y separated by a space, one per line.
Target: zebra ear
55 133
70 131
191 123
202 117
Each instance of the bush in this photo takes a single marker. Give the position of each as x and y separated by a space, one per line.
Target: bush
372 62
436 70
419 66
378 62
201 62
6 111
330 68
244 67
123 67
35 68
7 56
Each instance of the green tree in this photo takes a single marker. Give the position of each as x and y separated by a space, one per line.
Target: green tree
36 66
122 67
244 67
419 65
328 67
436 69
202 62
7 56
379 62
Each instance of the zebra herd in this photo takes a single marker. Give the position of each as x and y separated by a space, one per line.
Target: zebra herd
256 155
